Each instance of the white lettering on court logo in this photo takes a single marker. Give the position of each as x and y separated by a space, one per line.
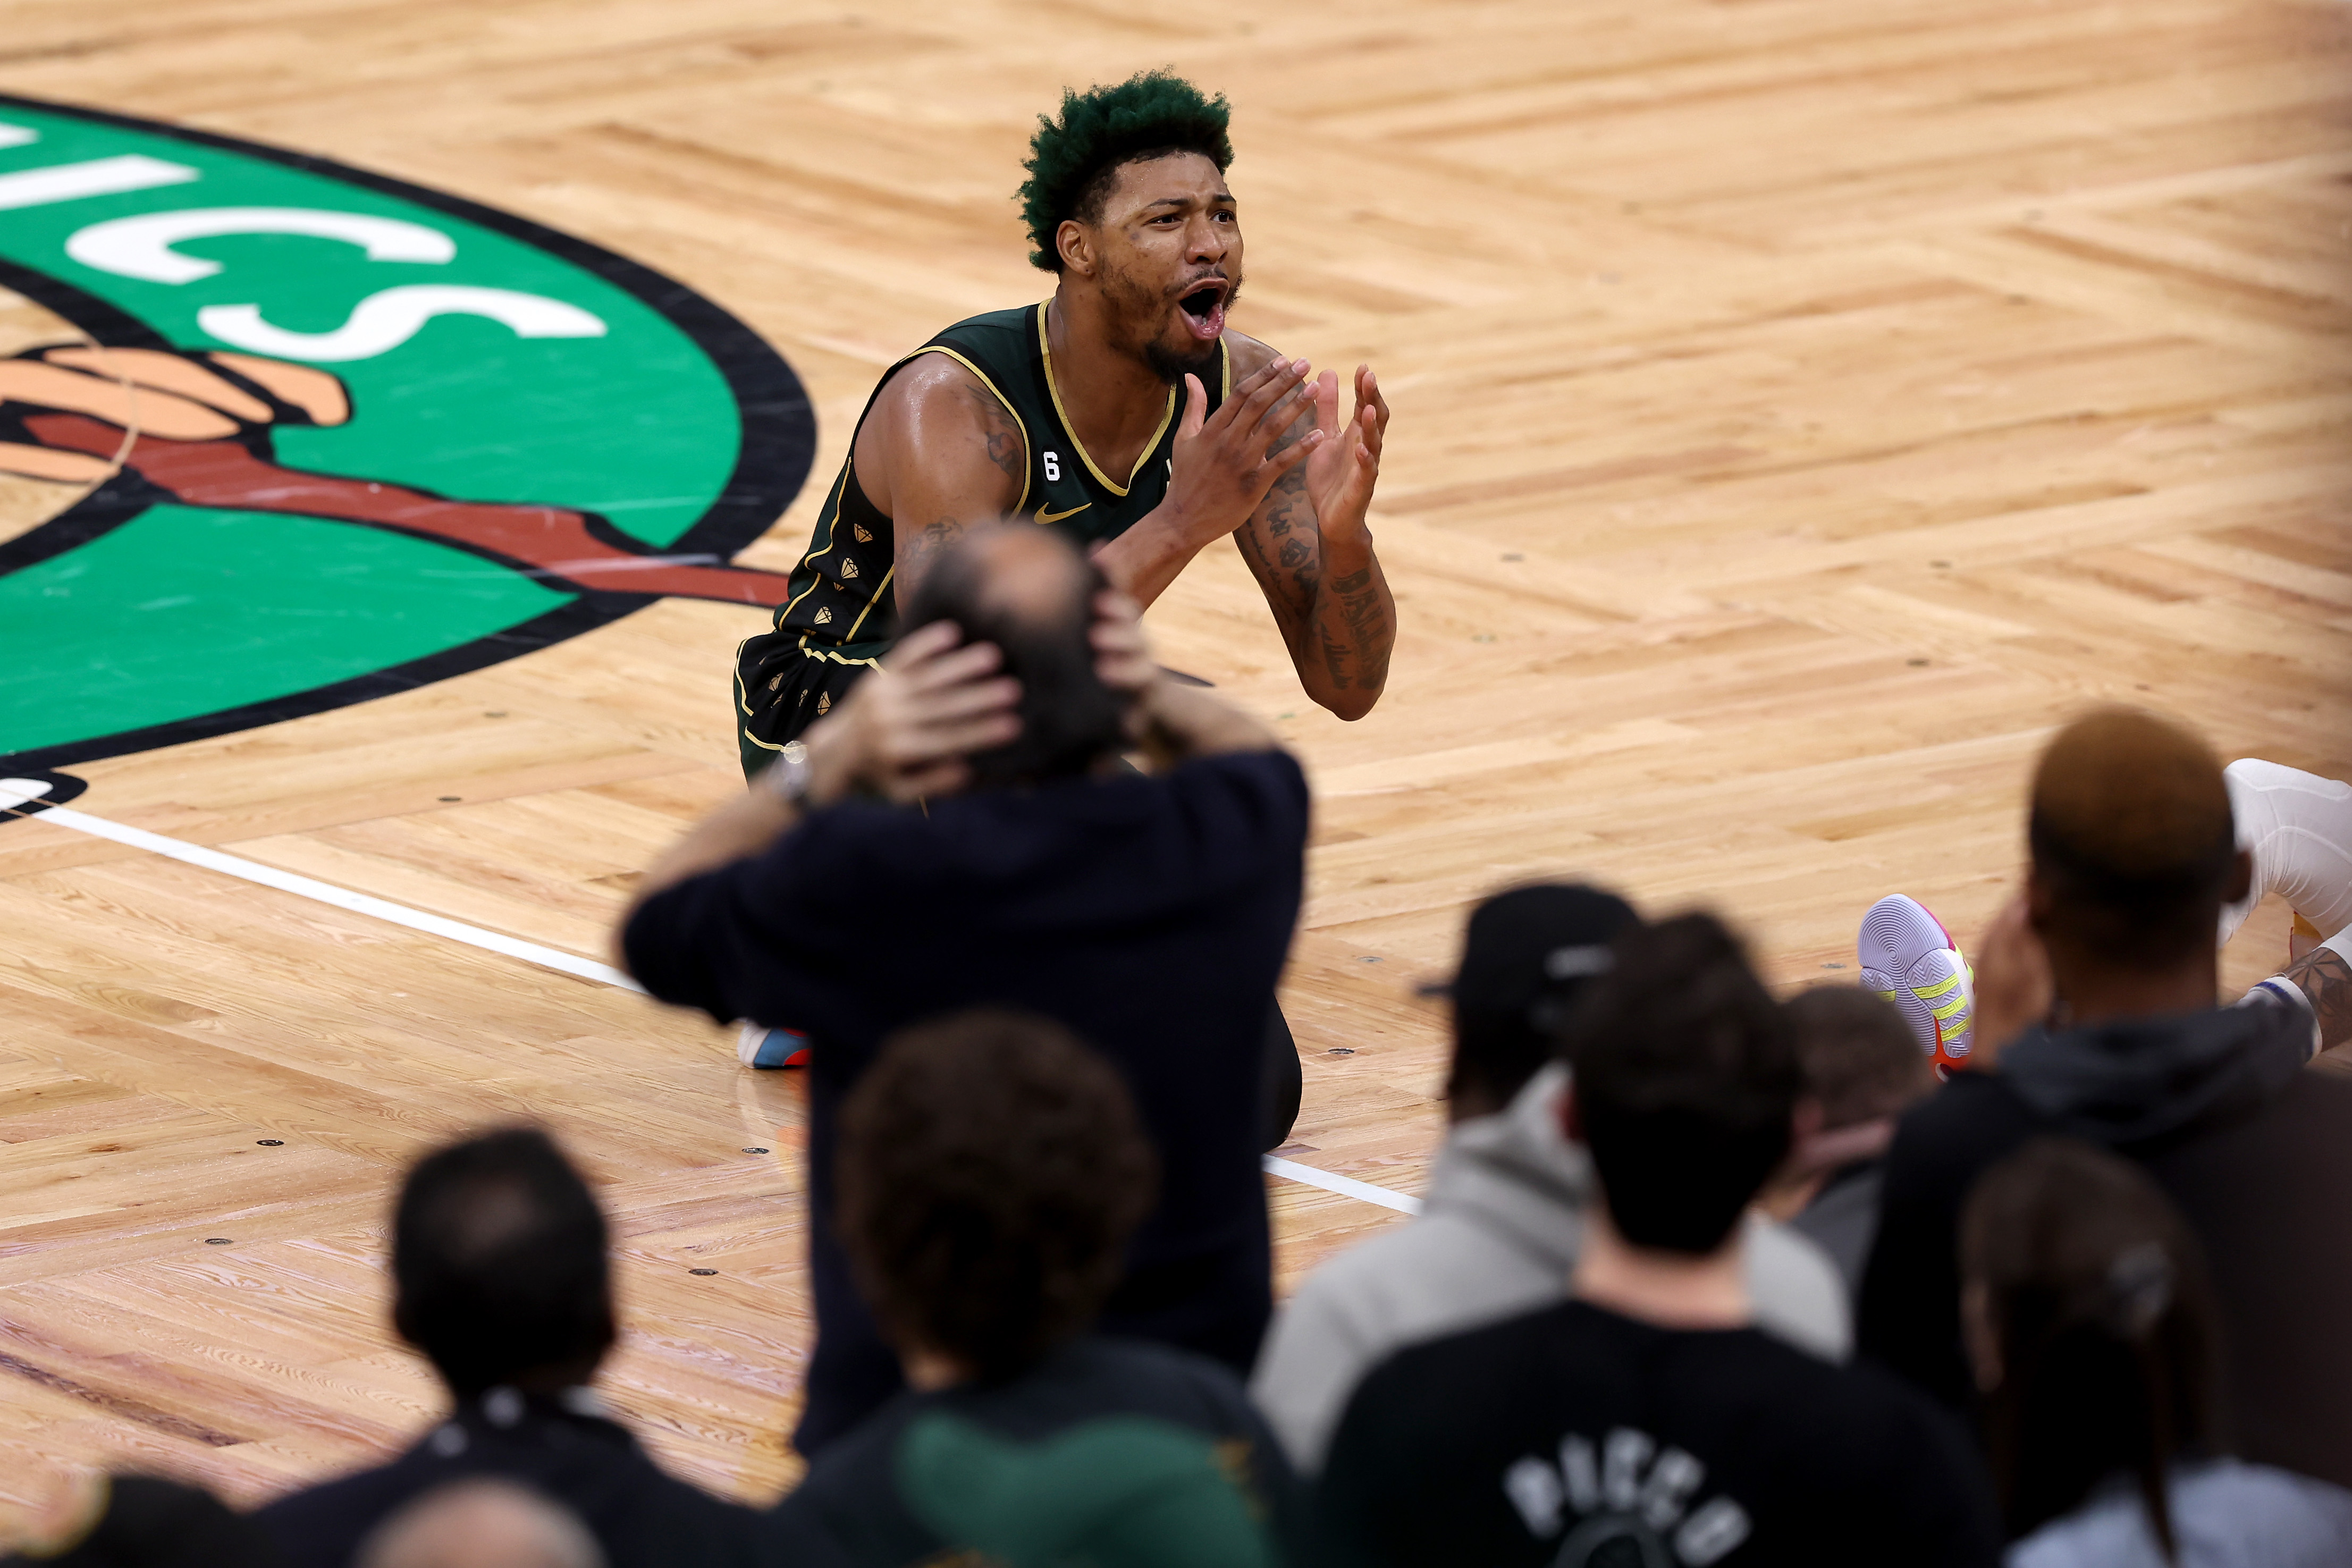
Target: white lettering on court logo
140 247
289 357
390 317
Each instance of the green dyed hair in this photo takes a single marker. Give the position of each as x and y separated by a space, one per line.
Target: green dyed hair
1071 161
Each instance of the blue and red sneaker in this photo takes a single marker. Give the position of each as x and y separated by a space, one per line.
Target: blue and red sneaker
760 1046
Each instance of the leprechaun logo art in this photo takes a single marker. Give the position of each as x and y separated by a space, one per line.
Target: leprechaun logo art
276 436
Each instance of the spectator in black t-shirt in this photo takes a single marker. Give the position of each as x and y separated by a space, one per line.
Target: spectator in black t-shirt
990 1171
1862 1067
1647 1420
1150 914
500 1276
1503 1213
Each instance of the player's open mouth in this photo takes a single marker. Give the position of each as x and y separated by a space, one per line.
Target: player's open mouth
1203 311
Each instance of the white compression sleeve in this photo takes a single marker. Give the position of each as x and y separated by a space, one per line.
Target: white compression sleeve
2298 826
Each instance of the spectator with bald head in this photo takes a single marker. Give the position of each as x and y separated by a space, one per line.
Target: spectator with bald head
2097 995
960 830
480 1524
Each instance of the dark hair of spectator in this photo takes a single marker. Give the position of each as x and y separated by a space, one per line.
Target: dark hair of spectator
2132 839
1685 1076
1858 1055
990 1171
1069 719
2097 1301
498 1262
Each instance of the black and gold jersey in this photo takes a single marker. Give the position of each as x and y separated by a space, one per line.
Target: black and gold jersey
841 614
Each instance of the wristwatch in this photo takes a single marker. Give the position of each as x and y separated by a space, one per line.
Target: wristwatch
789 777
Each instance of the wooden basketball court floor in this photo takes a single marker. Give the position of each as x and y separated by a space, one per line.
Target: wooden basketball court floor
1800 405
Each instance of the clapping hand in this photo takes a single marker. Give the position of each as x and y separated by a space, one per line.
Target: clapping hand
1223 463
1345 464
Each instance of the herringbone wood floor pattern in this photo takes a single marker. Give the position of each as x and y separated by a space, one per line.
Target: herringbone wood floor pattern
1799 409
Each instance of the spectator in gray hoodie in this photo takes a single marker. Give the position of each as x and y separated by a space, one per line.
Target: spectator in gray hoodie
1502 1224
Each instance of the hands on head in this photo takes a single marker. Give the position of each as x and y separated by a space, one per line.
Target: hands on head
908 731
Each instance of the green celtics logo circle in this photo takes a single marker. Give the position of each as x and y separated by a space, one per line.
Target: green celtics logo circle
277 436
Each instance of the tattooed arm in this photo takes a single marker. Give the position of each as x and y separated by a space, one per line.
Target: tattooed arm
1312 554
2325 980
937 454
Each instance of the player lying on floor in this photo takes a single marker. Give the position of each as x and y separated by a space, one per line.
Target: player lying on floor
2295 829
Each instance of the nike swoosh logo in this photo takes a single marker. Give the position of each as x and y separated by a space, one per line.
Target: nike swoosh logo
1044 516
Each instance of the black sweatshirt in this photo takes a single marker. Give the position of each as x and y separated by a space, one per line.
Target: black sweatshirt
2255 1149
1151 916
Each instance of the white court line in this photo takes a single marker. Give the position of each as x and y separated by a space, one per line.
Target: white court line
1346 1186
16 792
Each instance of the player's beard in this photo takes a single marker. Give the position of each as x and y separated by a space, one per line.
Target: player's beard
1140 310
1172 367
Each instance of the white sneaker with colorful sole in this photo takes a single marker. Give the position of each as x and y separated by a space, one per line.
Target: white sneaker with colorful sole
1910 958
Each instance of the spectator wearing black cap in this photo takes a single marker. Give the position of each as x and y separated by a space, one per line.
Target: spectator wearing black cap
1499 1229
1645 1420
500 1276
